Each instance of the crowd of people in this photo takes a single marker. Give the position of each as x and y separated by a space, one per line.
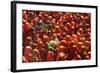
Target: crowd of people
55 36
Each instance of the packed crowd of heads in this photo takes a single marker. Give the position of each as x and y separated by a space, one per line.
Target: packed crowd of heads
56 36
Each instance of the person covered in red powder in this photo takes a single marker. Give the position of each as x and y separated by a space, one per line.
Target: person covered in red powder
51 51
61 53
56 36
27 54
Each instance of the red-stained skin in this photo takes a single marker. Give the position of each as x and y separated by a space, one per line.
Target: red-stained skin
28 53
50 56
72 30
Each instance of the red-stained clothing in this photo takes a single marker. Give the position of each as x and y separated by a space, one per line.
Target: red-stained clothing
50 56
